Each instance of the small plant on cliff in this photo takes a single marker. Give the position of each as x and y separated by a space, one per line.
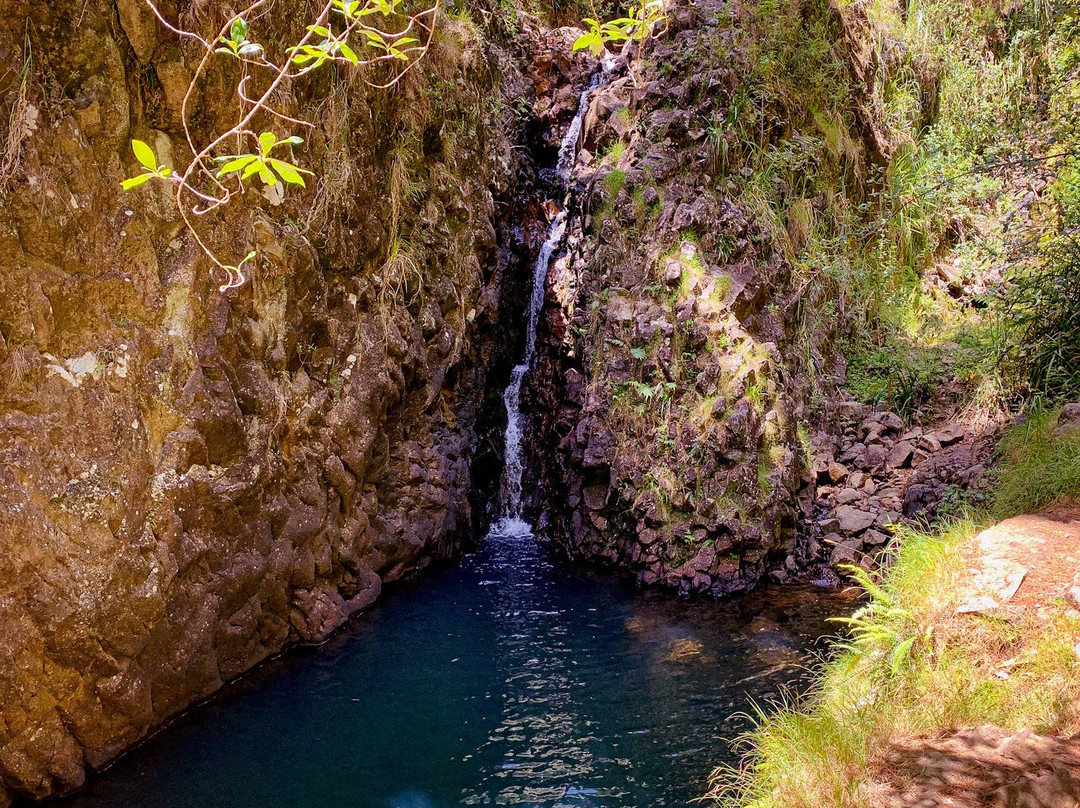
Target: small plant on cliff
381 37
145 155
635 26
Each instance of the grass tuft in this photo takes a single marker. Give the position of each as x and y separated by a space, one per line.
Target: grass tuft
1038 468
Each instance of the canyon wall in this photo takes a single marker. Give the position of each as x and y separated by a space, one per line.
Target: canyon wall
690 365
191 480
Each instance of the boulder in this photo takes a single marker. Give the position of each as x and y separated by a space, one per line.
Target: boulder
673 271
848 551
953 433
900 455
848 496
1068 421
874 538
853 521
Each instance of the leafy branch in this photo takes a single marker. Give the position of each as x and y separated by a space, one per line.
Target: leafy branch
370 35
635 26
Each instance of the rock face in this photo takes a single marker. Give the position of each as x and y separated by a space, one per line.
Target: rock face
674 372
189 481
689 375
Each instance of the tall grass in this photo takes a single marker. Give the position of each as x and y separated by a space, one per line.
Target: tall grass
1037 468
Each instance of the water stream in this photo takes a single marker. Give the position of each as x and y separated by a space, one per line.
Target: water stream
508 680
510 489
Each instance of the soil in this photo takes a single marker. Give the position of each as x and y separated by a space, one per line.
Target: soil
981 766
1043 548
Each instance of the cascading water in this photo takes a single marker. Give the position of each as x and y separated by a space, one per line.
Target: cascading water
510 496
510 488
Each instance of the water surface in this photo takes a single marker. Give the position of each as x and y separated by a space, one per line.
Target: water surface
508 680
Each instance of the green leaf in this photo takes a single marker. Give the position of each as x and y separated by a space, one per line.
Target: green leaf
591 41
349 54
134 182
144 154
376 39
250 49
900 654
239 30
288 172
638 353
294 140
256 165
267 141
266 175
236 164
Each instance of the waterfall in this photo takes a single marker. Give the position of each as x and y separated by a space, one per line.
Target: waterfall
510 492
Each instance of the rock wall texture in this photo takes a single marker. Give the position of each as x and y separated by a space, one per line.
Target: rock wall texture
678 340
189 481
689 394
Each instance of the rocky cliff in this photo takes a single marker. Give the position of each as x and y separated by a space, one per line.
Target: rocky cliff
191 480
683 345
730 201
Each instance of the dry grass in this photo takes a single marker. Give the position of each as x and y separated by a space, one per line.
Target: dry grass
19 125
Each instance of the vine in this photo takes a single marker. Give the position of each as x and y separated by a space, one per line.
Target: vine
368 33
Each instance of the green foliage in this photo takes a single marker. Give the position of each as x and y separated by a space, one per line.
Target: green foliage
145 155
636 25
266 167
909 667
1042 316
881 625
236 43
372 33
1037 468
614 181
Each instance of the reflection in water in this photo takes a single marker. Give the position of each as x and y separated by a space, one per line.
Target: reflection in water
508 680
543 739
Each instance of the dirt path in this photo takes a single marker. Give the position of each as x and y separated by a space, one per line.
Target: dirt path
983 766
1027 561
